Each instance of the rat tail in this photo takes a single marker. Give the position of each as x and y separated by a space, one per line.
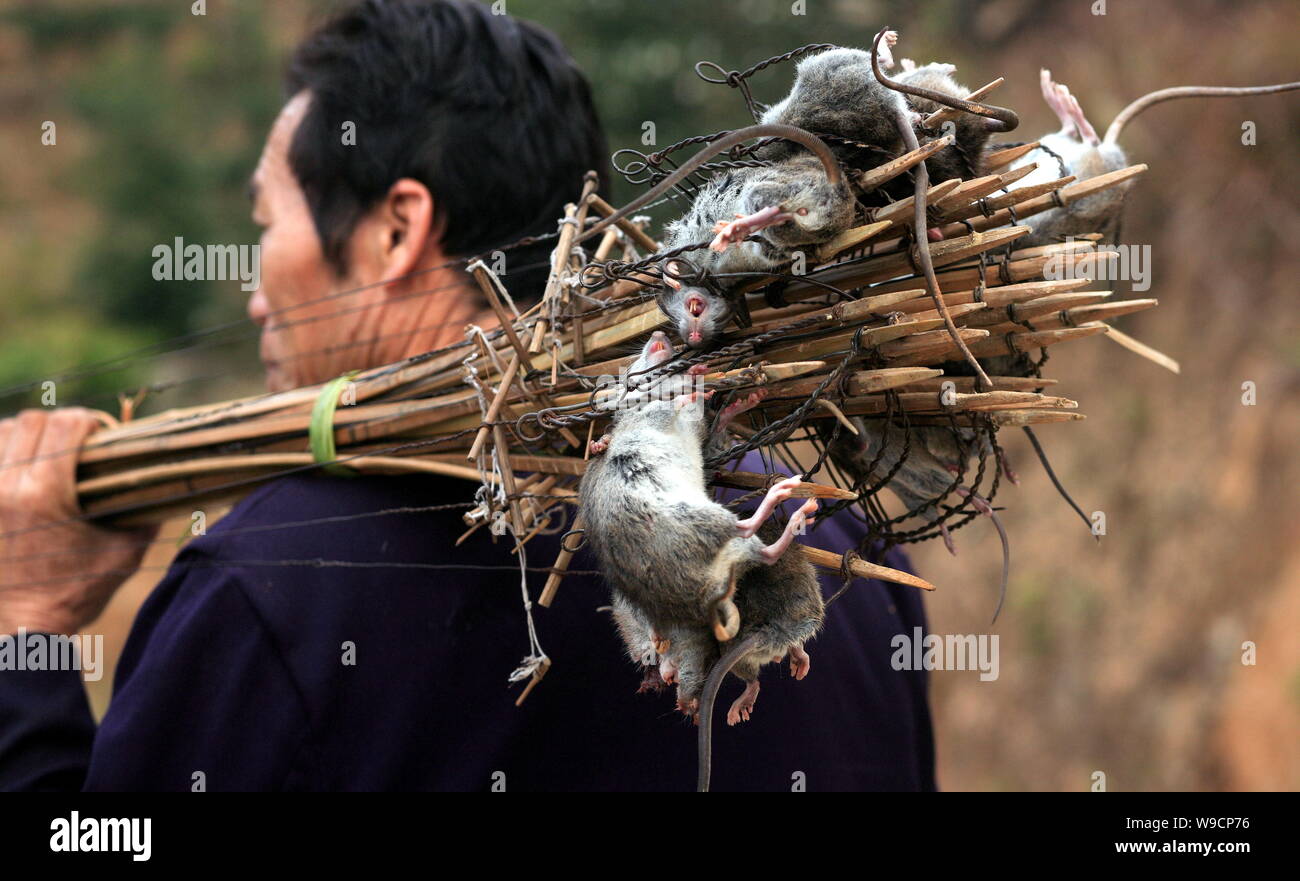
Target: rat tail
708 696
1132 110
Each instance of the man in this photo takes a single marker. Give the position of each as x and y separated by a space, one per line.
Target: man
248 668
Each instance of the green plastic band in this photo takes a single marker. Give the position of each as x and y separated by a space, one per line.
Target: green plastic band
321 434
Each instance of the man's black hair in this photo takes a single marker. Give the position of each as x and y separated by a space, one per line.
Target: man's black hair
489 112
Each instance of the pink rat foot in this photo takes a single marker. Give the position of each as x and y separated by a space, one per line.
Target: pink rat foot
1067 109
743 705
800 663
744 226
690 709
887 42
775 496
801 518
692 398
735 408
599 445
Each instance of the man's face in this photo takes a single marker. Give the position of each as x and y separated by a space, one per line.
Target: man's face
311 323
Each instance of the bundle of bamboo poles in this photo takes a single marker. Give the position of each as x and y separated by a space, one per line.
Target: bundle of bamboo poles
520 396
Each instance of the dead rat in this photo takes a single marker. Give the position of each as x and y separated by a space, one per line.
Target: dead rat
836 92
730 207
649 483
790 206
1079 151
686 572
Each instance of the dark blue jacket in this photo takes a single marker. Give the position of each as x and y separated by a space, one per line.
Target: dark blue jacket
235 668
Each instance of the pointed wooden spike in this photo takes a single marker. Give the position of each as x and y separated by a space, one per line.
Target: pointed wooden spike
881 174
1032 309
636 233
850 239
843 420
790 369
1017 418
861 568
968 192
963 310
939 117
1083 188
1144 350
999 158
1024 194
900 212
1015 174
857 310
967 383
1103 311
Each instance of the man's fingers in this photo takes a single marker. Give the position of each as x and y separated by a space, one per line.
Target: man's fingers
53 473
20 447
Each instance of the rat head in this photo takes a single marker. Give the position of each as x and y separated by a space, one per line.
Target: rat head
697 313
812 210
656 351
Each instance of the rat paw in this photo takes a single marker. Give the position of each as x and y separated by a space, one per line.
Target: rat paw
800 663
599 445
743 706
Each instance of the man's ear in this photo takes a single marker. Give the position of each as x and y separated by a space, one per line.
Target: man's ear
404 226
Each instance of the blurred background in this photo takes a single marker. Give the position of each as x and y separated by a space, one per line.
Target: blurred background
1122 657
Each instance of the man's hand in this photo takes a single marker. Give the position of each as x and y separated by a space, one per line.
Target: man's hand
57 572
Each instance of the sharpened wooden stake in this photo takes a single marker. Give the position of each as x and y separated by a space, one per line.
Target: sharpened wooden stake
562 559
1140 348
939 117
861 568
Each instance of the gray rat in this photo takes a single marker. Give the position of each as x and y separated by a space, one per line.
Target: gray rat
814 204
1083 154
837 92
791 205
685 571
797 204
650 483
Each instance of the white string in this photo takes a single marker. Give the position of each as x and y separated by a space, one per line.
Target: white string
536 656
